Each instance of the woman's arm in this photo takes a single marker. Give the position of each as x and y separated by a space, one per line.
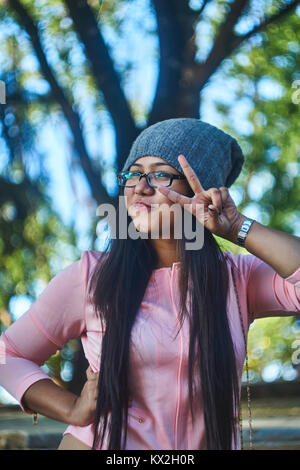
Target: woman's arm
271 271
57 316
279 249
220 215
48 399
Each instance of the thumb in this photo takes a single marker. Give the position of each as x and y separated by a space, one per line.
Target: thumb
213 210
90 375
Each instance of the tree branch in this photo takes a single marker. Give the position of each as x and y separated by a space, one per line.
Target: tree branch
263 25
227 41
222 46
105 75
73 119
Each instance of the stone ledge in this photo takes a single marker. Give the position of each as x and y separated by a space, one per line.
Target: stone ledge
263 438
279 431
44 441
273 438
20 440
13 440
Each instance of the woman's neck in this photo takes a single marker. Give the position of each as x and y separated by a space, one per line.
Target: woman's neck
166 252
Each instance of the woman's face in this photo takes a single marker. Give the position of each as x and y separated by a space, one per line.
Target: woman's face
155 218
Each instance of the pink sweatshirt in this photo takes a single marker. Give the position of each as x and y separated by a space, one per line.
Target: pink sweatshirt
158 377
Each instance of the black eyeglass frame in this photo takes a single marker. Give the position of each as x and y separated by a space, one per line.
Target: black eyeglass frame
173 177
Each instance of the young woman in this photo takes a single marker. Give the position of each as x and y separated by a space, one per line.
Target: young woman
163 325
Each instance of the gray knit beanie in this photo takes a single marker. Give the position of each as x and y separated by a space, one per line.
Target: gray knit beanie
214 155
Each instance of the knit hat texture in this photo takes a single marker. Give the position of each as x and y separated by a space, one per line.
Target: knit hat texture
215 156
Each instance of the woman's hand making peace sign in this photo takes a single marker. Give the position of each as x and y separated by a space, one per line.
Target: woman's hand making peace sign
220 216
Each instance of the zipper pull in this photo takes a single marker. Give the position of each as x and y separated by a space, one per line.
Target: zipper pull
138 418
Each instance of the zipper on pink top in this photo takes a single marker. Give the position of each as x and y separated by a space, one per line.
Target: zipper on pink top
138 418
178 395
179 368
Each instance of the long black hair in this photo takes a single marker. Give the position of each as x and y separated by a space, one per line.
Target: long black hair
117 287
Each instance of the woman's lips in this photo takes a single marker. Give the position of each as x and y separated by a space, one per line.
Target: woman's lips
141 206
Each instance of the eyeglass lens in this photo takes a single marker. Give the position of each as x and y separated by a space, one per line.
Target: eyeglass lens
156 178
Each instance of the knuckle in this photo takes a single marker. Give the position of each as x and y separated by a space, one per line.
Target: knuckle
213 191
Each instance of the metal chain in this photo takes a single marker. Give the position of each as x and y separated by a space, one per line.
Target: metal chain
247 377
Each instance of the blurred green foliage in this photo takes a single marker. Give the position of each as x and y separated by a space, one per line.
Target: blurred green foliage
30 250
264 72
272 342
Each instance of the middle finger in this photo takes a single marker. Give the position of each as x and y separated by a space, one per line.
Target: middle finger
216 198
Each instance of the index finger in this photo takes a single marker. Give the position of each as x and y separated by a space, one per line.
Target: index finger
174 196
190 175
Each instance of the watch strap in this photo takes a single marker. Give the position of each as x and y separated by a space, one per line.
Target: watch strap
243 232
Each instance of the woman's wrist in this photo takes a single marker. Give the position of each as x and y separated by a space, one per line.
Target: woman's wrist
70 412
235 228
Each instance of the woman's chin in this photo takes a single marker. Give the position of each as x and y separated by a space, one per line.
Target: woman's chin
146 228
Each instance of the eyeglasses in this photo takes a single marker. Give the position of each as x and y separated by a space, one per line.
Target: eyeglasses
155 179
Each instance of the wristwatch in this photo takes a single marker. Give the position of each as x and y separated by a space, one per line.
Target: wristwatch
241 237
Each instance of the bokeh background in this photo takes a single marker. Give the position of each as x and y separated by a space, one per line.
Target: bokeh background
84 77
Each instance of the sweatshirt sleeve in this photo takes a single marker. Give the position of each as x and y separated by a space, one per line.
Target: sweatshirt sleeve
268 293
57 316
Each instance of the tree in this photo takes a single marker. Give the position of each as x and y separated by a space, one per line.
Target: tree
73 48
266 74
181 77
32 234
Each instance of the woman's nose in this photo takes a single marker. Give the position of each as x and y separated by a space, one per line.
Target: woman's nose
143 186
